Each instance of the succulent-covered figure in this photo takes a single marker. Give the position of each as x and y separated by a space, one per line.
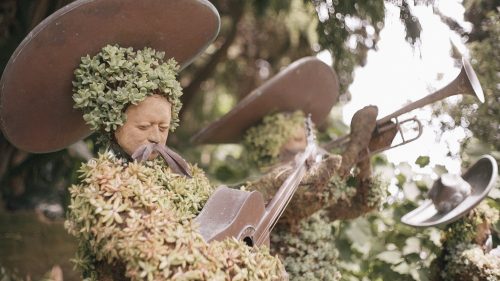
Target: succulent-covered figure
132 211
341 185
270 123
456 202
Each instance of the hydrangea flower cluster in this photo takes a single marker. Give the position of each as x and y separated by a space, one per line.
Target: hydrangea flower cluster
116 77
264 141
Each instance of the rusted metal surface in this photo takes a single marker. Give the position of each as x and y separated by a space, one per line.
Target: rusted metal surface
37 112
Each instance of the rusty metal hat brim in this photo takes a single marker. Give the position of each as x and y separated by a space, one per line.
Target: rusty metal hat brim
307 84
482 178
36 108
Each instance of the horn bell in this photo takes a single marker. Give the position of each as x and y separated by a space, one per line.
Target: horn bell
473 80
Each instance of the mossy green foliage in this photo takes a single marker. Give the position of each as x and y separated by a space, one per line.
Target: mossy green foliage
377 192
351 198
116 77
310 254
470 262
465 229
339 189
263 142
141 215
463 258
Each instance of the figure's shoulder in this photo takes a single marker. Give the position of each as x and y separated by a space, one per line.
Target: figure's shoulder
103 160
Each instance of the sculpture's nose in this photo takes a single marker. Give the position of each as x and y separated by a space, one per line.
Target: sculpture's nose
154 135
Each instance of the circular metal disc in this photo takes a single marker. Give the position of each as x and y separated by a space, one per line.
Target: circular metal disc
36 108
307 84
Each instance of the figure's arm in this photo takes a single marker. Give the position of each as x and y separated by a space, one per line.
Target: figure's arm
362 126
368 190
312 193
325 183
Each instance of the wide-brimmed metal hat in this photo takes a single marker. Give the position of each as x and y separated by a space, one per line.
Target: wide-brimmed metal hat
307 84
36 106
481 177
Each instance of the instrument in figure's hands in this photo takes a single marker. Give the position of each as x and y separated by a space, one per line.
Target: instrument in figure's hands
244 215
466 83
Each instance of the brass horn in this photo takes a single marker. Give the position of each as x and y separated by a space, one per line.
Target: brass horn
466 83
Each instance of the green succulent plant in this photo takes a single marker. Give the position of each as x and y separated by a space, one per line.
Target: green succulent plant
263 142
141 215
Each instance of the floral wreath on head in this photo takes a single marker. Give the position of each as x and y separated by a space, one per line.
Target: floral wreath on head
106 84
263 142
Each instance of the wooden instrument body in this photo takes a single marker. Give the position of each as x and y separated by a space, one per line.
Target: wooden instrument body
231 212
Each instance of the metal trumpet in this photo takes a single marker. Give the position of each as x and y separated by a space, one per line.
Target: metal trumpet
466 83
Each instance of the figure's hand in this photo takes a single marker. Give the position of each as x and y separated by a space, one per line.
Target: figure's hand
379 141
382 140
362 126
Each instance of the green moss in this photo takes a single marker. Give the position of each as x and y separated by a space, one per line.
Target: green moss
116 77
339 189
462 258
377 192
263 142
467 261
465 229
309 254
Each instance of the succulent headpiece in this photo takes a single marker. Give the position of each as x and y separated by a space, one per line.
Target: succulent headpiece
106 84
263 142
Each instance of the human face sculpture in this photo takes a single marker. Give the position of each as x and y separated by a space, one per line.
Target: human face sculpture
147 122
295 144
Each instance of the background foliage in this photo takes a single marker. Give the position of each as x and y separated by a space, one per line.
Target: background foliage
256 40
